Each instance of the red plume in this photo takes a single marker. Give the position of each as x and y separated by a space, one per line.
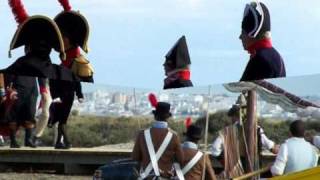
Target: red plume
18 10
65 4
153 100
188 122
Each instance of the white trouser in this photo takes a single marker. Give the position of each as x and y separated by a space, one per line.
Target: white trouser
43 117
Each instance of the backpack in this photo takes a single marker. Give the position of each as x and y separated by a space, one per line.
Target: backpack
82 67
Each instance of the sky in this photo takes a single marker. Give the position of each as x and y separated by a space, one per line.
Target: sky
129 38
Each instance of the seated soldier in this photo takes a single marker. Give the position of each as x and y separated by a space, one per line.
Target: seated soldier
194 160
312 138
295 154
156 148
229 141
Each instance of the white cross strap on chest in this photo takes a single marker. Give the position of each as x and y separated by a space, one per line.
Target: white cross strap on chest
154 156
181 172
192 162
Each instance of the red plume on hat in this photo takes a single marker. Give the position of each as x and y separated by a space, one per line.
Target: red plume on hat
153 100
65 4
188 122
18 10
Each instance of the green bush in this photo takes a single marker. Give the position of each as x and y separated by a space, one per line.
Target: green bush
91 131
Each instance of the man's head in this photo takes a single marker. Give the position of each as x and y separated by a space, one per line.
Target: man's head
67 42
162 112
194 133
168 66
39 47
256 24
74 28
297 129
234 113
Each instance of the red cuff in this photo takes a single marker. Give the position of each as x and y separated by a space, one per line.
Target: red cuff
43 89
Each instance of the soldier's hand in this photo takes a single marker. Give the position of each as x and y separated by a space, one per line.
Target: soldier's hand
275 149
81 100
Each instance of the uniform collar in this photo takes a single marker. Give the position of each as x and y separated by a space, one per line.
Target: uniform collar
160 124
297 138
260 44
190 145
71 54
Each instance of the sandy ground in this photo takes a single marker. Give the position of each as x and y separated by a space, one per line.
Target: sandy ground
24 176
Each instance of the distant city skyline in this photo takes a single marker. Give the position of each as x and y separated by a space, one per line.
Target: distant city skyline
183 104
307 85
129 38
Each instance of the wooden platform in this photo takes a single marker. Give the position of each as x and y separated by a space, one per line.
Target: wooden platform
74 160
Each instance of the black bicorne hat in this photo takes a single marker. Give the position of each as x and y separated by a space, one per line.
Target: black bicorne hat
34 30
73 25
256 19
178 55
38 29
194 132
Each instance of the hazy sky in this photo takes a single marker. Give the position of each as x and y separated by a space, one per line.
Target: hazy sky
129 38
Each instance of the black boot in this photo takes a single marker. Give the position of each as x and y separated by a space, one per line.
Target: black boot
65 137
59 144
13 141
27 138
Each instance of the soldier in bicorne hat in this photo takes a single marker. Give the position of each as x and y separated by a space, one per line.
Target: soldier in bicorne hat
38 34
75 32
177 66
265 61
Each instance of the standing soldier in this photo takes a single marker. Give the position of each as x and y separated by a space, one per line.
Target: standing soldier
156 148
75 32
265 61
195 161
39 34
177 66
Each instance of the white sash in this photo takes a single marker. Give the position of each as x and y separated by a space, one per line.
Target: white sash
181 172
154 157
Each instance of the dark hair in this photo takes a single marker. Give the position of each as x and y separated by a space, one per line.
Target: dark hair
161 116
234 111
297 128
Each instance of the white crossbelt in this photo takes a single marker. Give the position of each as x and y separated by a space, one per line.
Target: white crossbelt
181 172
154 157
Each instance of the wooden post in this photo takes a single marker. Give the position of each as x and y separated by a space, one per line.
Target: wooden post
206 133
135 107
251 130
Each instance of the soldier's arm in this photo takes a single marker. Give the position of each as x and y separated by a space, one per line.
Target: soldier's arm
2 86
217 146
209 169
136 152
279 165
178 149
79 93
